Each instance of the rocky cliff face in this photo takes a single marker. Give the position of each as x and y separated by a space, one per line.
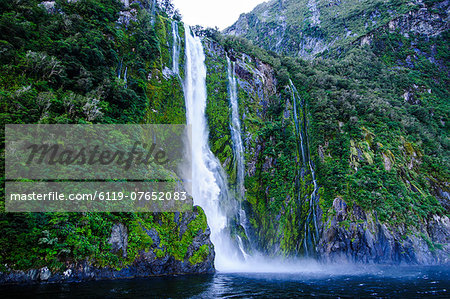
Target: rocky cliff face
354 235
257 93
426 20
276 192
307 28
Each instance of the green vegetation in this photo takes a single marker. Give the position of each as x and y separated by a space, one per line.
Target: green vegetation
218 111
200 255
388 119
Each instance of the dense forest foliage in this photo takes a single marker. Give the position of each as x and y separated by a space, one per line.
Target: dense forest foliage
78 62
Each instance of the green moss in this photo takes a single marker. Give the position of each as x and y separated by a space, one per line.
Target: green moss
159 253
218 111
138 240
431 245
200 255
345 223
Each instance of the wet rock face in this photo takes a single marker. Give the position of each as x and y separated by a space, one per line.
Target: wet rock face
258 80
149 264
423 21
44 274
356 236
439 230
243 74
441 190
49 6
428 21
386 162
119 239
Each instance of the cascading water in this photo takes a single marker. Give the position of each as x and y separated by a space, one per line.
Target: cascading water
119 69
153 11
238 147
296 122
175 48
309 224
125 76
209 188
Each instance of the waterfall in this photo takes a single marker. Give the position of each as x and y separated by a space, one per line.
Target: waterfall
209 184
309 225
297 125
175 48
209 187
125 77
238 150
119 69
153 11
238 147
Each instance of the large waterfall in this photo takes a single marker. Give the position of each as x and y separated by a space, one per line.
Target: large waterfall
209 183
209 187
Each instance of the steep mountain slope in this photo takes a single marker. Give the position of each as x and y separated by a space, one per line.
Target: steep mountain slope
307 28
382 165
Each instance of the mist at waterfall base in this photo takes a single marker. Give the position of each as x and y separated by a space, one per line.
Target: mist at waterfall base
332 281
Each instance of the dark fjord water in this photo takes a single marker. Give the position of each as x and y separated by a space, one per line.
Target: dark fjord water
362 281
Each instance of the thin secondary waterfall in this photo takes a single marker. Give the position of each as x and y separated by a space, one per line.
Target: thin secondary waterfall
209 187
125 75
119 69
238 147
175 48
309 211
296 122
153 11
